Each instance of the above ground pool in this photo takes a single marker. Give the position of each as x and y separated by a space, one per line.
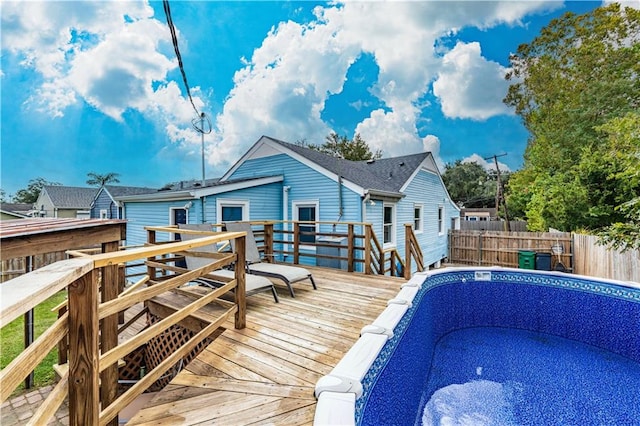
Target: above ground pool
493 346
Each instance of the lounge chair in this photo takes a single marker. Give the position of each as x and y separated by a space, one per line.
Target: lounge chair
255 265
253 283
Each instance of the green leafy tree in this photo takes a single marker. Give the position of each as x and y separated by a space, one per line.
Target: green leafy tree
620 163
578 74
3 196
96 179
470 185
355 149
32 191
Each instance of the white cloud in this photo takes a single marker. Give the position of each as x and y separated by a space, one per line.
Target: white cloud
469 86
283 87
106 54
486 164
110 56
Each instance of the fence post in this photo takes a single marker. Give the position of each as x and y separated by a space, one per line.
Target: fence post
84 393
350 247
367 249
151 239
296 242
407 251
479 249
109 330
240 293
268 242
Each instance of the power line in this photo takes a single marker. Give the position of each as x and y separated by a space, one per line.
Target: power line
174 39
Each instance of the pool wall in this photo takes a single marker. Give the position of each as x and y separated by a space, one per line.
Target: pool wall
373 382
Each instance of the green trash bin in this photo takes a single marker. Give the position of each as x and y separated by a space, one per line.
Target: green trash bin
526 259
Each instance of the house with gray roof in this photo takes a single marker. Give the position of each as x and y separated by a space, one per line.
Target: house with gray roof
65 201
9 211
105 204
279 181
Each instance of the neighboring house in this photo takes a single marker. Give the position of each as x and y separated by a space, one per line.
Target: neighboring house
104 204
65 201
9 211
276 180
478 214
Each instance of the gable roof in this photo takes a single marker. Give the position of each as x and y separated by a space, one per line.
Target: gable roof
70 197
17 210
386 176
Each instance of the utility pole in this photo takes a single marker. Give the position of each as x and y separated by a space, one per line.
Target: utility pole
499 194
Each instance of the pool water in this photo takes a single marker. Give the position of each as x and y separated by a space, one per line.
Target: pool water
505 376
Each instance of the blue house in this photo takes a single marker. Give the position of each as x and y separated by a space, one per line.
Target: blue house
279 181
105 205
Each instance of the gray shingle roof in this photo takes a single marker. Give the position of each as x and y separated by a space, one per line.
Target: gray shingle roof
71 197
387 174
117 191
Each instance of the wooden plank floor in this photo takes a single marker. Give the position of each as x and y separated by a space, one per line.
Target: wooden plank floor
266 373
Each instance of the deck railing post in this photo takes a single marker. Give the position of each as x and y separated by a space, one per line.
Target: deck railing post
109 331
268 242
367 249
408 234
296 242
240 293
151 239
84 394
350 247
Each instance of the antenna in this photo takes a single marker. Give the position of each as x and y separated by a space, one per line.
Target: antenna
499 191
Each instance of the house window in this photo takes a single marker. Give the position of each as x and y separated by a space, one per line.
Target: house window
440 220
178 215
417 218
103 214
388 225
306 211
232 210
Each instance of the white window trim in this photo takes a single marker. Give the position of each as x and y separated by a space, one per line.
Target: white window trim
441 225
230 202
171 215
103 214
294 213
393 241
421 221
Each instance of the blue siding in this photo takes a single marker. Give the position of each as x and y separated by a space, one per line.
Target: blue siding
427 189
139 215
265 202
306 185
104 202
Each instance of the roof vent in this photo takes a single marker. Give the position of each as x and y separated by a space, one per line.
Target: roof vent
371 161
401 163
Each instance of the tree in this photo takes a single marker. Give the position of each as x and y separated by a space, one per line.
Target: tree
622 150
578 74
32 191
96 179
3 196
343 147
470 185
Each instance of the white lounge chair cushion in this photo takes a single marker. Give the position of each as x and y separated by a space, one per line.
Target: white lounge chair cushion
291 273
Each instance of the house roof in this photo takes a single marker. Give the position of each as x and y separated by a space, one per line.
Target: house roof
117 191
16 208
70 197
387 175
194 189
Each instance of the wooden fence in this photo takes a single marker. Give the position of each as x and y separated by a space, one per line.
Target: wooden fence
600 261
12 268
492 225
494 248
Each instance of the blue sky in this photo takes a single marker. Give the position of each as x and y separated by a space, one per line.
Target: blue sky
95 86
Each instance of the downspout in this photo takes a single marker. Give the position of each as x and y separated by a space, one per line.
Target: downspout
340 210
202 205
285 216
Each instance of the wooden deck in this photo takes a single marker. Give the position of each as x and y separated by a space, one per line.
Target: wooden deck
266 373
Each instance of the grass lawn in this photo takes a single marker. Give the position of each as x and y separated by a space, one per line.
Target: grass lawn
12 340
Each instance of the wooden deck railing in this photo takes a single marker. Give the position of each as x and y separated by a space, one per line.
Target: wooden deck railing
354 245
89 328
